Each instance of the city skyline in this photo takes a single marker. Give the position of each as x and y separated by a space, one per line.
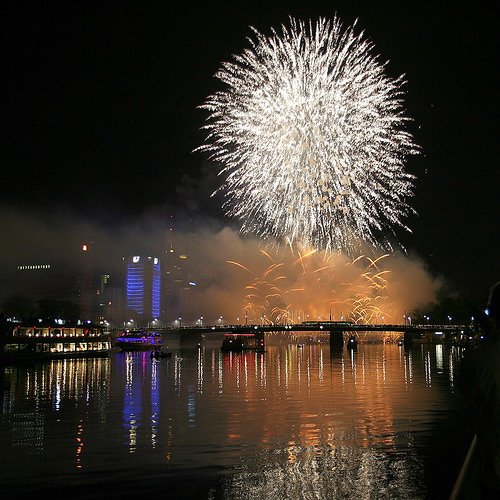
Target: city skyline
101 108
254 286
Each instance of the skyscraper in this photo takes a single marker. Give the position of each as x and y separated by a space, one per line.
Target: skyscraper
86 290
143 288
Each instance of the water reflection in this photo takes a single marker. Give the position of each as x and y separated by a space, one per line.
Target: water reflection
34 393
293 422
326 472
142 390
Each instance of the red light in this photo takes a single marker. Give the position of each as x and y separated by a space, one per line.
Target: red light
84 248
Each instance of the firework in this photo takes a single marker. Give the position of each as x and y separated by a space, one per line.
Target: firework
368 299
310 135
265 297
292 286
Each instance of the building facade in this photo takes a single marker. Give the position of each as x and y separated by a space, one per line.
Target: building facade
143 289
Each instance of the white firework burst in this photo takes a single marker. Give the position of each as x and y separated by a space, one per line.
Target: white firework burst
310 133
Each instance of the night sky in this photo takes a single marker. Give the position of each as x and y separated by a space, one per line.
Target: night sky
100 117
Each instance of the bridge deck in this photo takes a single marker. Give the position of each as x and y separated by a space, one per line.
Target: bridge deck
320 326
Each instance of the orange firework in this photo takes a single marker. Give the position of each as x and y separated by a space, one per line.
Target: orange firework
293 286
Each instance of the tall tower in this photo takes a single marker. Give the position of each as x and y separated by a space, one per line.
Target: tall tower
86 290
143 288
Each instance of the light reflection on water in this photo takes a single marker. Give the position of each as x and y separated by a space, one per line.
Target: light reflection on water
293 422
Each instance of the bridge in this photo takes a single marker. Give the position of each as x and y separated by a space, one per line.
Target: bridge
335 328
314 326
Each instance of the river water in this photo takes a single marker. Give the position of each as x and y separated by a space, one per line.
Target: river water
296 422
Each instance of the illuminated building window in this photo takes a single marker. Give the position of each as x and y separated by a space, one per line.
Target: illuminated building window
33 267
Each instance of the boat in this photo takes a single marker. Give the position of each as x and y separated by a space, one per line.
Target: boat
243 341
33 342
138 340
232 343
352 343
158 354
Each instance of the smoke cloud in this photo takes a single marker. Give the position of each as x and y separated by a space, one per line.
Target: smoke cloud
215 272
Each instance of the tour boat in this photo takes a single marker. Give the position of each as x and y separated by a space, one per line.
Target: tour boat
138 340
38 342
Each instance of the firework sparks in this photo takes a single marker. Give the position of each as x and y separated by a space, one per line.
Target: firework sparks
368 300
293 286
310 133
264 298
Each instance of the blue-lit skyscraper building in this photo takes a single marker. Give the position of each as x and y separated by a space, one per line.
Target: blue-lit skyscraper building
143 288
